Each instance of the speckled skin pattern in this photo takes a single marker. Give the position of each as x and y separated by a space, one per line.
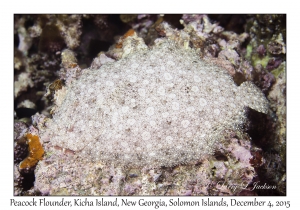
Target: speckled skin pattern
157 107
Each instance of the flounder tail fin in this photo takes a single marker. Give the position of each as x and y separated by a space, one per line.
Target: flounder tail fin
253 97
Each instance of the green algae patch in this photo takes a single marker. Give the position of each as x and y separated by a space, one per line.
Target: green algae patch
257 60
278 71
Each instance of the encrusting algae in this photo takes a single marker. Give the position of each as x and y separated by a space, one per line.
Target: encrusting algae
130 32
36 152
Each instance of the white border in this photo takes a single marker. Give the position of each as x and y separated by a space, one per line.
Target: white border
8 8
